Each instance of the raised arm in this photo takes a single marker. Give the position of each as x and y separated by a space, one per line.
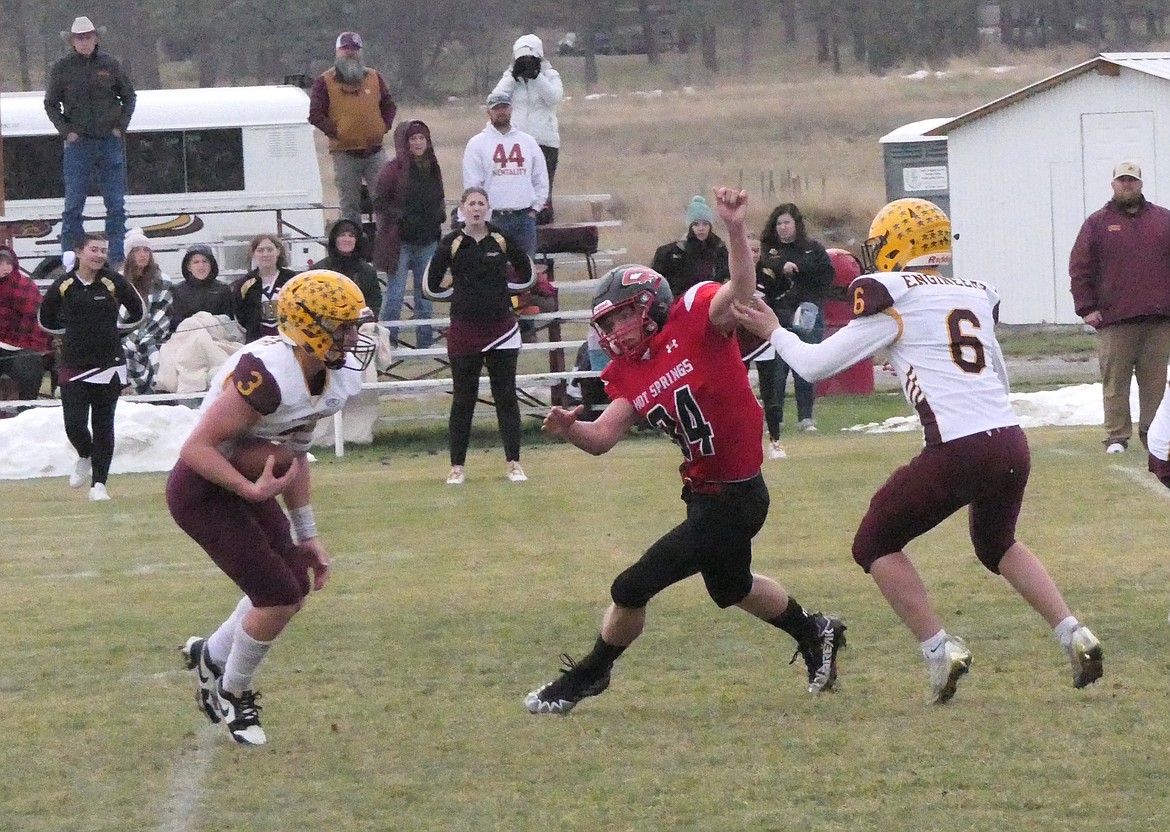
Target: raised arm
732 208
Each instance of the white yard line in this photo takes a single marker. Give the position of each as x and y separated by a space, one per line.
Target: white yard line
1145 479
180 812
56 518
140 571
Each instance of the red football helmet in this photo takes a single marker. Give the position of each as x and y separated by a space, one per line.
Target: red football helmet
626 287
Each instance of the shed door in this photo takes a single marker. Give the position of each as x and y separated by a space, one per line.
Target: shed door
1109 138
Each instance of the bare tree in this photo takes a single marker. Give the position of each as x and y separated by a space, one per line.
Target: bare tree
19 17
788 19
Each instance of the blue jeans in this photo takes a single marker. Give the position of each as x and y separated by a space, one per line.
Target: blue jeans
520 227
415 259
83 158
806 391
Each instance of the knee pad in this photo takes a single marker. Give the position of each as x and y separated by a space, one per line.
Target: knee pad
990 554
864 553
628 590
729 592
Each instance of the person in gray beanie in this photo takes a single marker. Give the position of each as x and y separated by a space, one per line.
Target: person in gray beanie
699 256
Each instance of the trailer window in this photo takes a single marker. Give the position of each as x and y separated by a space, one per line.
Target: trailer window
215 160
163 162
154 163
189 161
32 167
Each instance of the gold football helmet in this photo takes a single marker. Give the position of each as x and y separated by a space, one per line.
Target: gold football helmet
321 312
907 234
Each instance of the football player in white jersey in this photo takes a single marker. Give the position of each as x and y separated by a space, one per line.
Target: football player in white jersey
939 335
258 417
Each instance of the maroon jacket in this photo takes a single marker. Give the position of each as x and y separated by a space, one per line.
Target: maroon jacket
391 193
1120 264
20 300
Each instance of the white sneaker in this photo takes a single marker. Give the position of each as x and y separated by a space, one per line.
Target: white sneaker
947 665
81 472
456 475
515 473
1114 448
776 450
98 493
1085 656
807 425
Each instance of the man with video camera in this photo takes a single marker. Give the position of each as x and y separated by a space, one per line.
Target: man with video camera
536 90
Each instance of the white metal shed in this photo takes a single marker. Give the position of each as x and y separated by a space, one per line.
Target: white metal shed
1026 169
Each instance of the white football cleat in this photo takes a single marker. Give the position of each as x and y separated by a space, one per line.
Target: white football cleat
98 493
949 663
1086 657
81 472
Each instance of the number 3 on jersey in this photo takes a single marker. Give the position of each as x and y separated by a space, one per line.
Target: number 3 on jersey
689 429
516 156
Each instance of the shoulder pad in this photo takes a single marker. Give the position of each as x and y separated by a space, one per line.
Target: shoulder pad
870 296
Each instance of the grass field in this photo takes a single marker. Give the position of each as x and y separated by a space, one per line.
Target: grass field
395 700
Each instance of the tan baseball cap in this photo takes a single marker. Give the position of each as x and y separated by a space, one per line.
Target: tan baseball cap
1127 169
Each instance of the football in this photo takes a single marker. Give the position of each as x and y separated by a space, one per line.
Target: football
252 454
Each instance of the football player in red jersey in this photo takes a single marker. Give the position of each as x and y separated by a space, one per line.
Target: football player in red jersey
677 364
939 334
273 390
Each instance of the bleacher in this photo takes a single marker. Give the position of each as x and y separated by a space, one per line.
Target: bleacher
421 372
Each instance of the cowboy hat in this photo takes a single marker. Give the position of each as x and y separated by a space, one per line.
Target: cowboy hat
82 26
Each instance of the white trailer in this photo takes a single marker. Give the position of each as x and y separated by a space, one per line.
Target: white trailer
214 165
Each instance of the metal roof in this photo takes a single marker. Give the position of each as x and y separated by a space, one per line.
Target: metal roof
1107 63
916 131
23 113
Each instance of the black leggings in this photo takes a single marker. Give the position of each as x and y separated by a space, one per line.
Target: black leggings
78 399
501 367
770 396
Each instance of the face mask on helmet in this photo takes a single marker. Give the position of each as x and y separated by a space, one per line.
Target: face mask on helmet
907 234
323 313
630 307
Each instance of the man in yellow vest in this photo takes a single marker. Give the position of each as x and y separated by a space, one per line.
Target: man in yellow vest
351 104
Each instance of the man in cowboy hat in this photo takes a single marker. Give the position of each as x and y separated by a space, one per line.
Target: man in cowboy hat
89 99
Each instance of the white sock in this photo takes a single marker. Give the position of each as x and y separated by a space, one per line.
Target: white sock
1065 629
219 645
242 662
933 643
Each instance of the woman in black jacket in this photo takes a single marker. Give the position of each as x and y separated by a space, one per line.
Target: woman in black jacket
82 307
788 252
484 328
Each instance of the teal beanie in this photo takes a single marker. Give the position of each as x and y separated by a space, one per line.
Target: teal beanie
699 211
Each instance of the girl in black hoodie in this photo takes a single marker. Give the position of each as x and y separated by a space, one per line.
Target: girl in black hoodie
347 249
200 290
